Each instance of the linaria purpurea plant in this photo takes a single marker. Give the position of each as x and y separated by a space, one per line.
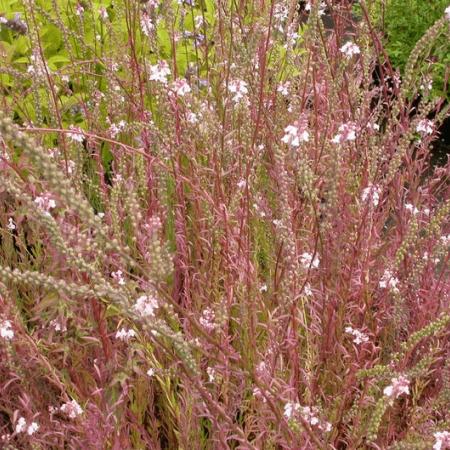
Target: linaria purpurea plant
217 231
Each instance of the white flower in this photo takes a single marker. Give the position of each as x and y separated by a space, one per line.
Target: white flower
211 374
290 409
241 184
411 208
191 117
11 225
388 280
425 126
263 288
294 135
371 193
283 88
198 21
76 135
307 290
181 87
58 326
447 13
398 387
160 72
32 428
45 202
145 306
124 335
347 132
349 49
442 437
309 415
322 7
427 84
239 89
151 372
21 425
257 393
118 276
114 129
72 409
359 337
306 260
6 331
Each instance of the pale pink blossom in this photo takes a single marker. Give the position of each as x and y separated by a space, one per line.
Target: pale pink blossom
6 331
32 428
72 409
146 305
125 335
283 88
147 26
346 132
103 13
181 87
79 10
211 374
388 280
358 336
45 202
76 134
207 319
397 387
239 89
21 425
411 208
306 260
295 134
371 193
425 126
118 276
349 49
160 72
11 225
447 13
290 409
442 437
